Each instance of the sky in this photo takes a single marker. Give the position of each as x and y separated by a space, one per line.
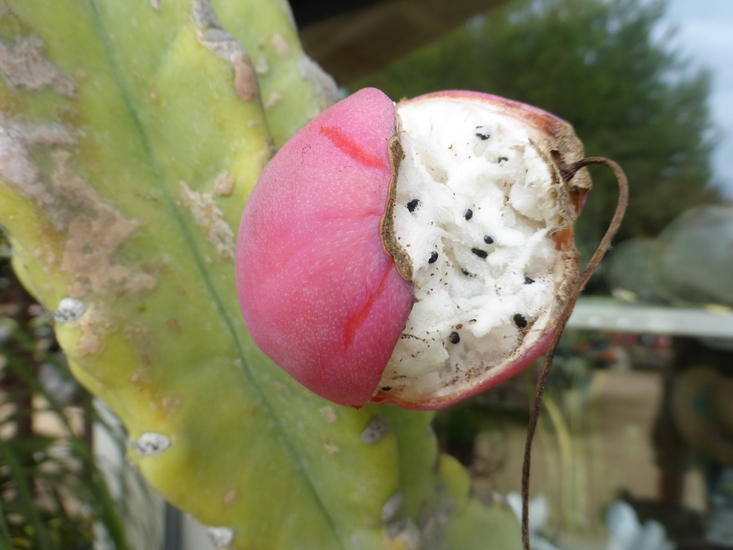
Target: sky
705 34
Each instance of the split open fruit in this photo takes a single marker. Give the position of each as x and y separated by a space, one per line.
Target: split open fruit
412 254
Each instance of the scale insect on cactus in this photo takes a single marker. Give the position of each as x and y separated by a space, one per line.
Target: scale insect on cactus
415 253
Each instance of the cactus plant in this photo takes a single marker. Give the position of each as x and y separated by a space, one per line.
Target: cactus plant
131 134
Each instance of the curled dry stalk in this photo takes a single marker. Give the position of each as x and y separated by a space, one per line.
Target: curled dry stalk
568 171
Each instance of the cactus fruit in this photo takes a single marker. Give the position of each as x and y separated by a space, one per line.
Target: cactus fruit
412 254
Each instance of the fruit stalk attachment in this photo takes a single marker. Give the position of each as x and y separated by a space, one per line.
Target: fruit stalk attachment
568 172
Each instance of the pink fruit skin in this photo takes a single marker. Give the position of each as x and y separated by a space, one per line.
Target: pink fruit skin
319 294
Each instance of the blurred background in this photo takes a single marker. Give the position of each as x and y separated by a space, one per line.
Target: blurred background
635 447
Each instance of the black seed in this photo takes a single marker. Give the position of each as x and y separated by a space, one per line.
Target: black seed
386 388
414 203
468 214
520 321
482 132
503 159
433 258
466 273
528 281
480 253
488 240
454 338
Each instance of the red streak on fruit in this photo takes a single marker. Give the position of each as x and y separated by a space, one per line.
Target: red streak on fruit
362 315
351 148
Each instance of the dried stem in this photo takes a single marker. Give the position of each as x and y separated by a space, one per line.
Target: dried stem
568 171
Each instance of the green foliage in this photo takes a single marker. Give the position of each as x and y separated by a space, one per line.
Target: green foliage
51 490
603 66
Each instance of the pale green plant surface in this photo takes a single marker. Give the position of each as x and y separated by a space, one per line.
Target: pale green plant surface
131 134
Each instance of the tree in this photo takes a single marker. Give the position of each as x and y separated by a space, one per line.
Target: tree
601 65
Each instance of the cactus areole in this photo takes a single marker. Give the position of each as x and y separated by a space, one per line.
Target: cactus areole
412 254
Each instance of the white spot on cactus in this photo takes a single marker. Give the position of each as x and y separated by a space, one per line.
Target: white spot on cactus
261 66
70 309
272 100
224 184
155 4
377 428
222 537
280 44
24 65
331 449
392 508
329 413
151 443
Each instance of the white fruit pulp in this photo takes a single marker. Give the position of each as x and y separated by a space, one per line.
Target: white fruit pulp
473 189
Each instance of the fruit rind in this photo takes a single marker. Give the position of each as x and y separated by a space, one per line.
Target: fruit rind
319 294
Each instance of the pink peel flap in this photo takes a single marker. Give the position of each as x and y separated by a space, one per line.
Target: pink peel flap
319 294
